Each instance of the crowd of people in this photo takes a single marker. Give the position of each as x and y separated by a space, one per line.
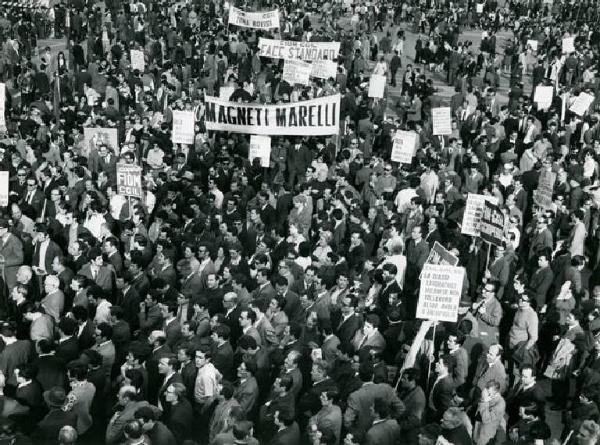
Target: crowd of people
241 304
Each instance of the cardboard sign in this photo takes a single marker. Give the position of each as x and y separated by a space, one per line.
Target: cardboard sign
137 60
492 224
405 147
582 103
4 190
533 44
260 147
292 50
296 72
542 196
442 121
183 127
479 8
439 293
441 256
129 180
568 45
473 211
324 69
543 96
94 136
377 85
315 117
257 20
2 106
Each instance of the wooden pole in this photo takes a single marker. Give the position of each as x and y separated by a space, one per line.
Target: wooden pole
429 367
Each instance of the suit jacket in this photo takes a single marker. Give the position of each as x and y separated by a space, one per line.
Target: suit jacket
12 252
192 285
49 427
267 333
51 251
180 420
117 262
104 277
116 426
54 304
68 350
287 436
222 358
37 202
440 396
86 338
329 348
30 395
266 292
383 432
51 372
246 393
410 420
540 284
358 417
486 373
173 333
162 400
346 329
329 419
376 342
13 355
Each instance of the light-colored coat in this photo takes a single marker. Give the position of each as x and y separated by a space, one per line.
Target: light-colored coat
492 420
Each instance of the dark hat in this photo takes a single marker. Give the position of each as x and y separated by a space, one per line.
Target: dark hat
55 397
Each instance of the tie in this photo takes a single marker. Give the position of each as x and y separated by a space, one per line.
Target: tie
29 198
94 274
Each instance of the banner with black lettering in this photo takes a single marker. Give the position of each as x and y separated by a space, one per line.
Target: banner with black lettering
291 50
316 117
492 224
257 20
129 180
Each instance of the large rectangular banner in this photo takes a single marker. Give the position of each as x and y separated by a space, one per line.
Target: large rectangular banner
324 69
183 127
129 180
2 106
260 147
405 147
439 293
291 50
316 117
474 209
442 121
257 20
4 188
582 103
492 224
296 72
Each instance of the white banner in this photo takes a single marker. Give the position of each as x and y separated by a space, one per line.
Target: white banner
257 20
2 106
226 92
442 121
439 293
296 72
183 127
405 146
260 147
582 103
4 190
316 117
377 85
137 60
290 50
324 69
543 96
95 136
473 210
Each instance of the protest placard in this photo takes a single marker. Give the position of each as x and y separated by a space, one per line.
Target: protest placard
543 96
183 127
492 224
260 147
315 117
129 180
324 69
479 8
137 60
296 72
441 256
568 45
582 103
2 106
4 190
377 85
292 50
439 293
473 210
404 147
542 196
257 20
442 121
95 136
533 44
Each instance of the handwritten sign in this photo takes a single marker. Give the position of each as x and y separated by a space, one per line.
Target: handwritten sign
296 72
473 211
405 146
183 127
260 147
568 45
582 103
542 196
543 96
442 121
492 224
439 293
257 20
137 60
2 106
324 69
